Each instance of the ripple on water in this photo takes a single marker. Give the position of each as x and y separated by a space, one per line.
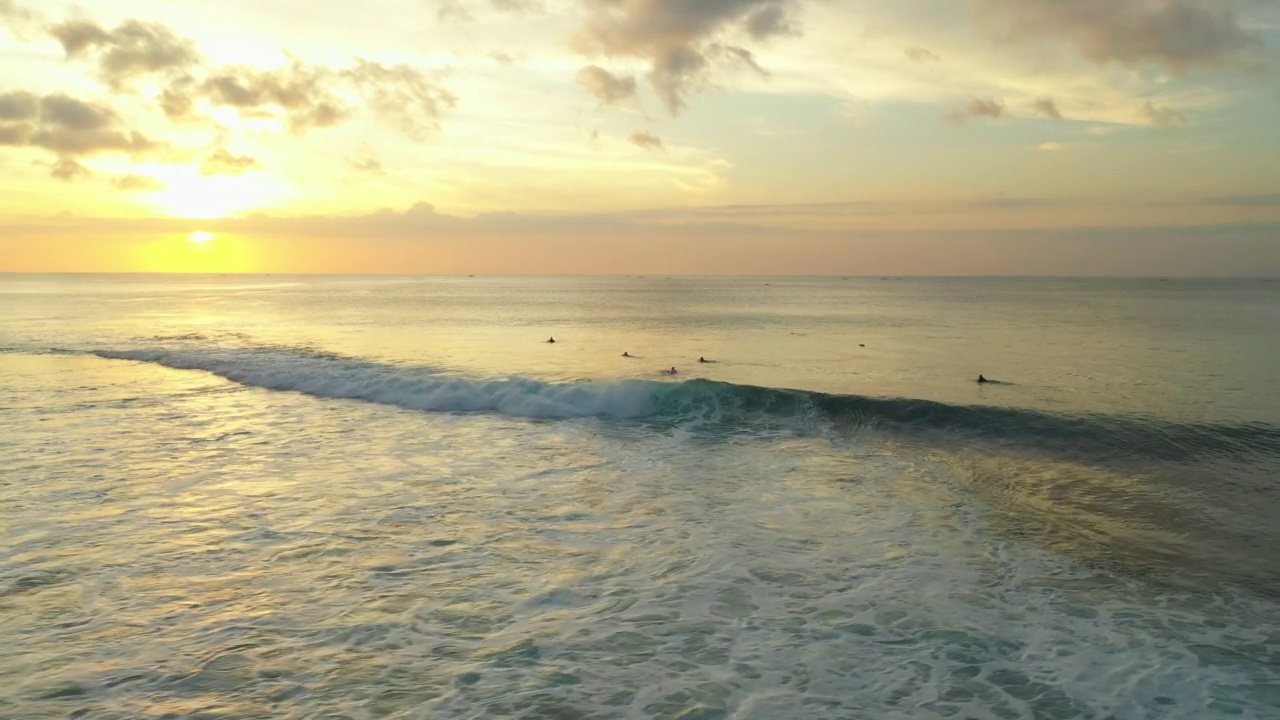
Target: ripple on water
332 559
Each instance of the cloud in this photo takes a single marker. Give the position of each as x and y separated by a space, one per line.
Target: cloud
134 183
977 107
308 97
132 49
466 10
401 95
366 163
1046 107
1164 117
1259 201
1176 34
606 87
1052 147
682 39
920 55
68 169
299 90
20 21
305 96
646 140
65 125
223 162
19 105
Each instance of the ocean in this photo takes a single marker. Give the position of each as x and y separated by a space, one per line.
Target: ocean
390 497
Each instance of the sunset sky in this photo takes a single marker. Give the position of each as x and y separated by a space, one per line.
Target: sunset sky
1064 137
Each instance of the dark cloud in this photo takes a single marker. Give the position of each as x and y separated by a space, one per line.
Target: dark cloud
646 140
976 108
1164 117
68 169
768 22
132 49
73 114
366 163
920 55
679 38
307 97
20 21
223 162
304 96
1177 34
1046 107
65 125
302 92
135 183
19 105
401 95
606 87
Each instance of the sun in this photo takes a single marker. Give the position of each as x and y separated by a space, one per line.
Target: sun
201 237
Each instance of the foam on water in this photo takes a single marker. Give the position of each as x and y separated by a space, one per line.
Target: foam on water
249 554
497 528
412 388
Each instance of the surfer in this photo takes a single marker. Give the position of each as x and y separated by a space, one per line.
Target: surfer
552 341
982 379
703 360
626 354
672 371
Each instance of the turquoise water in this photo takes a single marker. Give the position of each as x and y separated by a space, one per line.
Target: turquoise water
389 497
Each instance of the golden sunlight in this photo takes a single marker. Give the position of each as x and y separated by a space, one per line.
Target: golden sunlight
186 254
191 195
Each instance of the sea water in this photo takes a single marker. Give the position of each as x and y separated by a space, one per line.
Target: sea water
354 497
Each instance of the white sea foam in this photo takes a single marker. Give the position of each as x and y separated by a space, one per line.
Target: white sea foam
406 387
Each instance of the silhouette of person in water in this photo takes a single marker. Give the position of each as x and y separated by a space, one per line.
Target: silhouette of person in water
552 341
672 371
982 379
703 360
626 354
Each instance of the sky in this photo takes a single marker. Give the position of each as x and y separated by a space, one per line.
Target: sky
846 137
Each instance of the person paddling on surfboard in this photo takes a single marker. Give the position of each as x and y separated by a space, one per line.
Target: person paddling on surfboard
552 341
982 379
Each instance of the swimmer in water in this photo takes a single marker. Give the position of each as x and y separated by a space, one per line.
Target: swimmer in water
672 371
626 354
703 360
982 379
552 341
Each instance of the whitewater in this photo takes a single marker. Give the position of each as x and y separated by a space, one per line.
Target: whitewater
297 497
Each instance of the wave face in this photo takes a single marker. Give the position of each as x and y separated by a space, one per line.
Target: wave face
1096 438
333 376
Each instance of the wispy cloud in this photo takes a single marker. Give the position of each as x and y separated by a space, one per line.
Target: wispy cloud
1046 107
67 127
920 55
136 183
1176 34
646 140
682 41
1164 117
976 108
224 162
606 87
